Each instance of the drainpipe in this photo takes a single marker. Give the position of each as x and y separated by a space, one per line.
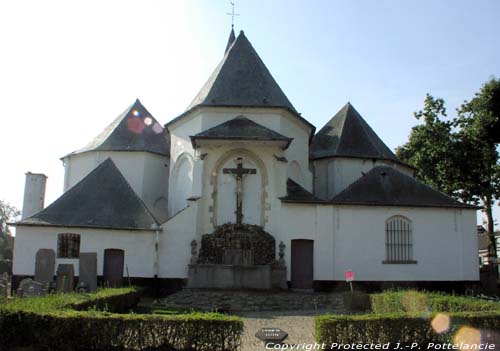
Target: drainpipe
158 229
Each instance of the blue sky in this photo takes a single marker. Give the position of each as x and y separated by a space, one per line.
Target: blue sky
68 68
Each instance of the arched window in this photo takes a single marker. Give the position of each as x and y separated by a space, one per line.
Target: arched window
68 245
398 240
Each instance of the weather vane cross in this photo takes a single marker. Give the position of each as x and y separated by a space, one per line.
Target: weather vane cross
232 14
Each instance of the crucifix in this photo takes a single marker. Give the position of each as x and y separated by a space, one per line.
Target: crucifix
239 172
232 14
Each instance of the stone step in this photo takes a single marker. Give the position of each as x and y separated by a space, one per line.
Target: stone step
249 301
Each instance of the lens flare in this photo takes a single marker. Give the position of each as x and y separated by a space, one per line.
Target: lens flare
135 125
136 113
441 323
467 336
148 121
157 128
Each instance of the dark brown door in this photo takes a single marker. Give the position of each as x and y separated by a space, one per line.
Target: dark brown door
302 264
113 267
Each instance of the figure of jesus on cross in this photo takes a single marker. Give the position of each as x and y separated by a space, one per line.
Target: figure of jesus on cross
239 172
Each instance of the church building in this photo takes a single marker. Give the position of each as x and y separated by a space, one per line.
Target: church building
240 191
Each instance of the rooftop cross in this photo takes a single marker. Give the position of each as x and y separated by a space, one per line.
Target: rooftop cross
232 14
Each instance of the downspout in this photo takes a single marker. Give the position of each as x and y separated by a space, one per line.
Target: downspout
157 229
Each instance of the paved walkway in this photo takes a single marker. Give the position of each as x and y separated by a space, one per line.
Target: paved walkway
298 324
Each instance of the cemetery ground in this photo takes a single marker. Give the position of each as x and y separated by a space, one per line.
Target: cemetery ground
116 319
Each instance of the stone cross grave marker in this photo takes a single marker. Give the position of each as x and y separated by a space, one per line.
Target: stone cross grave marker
88 270
65 278
45 265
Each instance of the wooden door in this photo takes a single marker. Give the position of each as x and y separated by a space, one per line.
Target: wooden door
302 264
113 267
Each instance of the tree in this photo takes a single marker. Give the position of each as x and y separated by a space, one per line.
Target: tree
479 179
460 157
431 148
7 214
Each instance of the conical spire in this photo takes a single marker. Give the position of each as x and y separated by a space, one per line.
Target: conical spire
134 130
348 135
230 41
241 79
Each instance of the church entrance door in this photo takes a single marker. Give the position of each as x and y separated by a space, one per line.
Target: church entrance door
302 264
113 267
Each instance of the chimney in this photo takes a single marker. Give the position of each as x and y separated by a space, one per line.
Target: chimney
34 194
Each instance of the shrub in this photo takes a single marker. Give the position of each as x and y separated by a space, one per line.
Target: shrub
413 301
402 328
59 322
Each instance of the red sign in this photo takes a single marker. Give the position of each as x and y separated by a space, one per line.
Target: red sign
349 276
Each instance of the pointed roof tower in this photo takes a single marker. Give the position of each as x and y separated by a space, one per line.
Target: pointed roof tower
133 130
230 41
241 79
348 135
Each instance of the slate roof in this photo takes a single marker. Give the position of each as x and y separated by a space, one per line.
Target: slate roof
297 194
133 130
386 186
240 128
103 199
348 135
241 80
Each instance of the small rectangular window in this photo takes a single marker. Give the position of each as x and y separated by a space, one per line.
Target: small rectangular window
68 245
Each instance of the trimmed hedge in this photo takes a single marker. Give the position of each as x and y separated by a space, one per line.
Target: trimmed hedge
59 322
407 317
401 328
413 301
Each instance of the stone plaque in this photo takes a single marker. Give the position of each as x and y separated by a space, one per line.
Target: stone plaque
271 336
45 266
65 278
30 288
88 270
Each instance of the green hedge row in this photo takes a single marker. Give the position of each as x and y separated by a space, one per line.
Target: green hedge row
403 328
60 322
413 301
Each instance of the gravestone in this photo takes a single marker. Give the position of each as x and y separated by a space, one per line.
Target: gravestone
4 285
45 265
30 288
88 270
65 278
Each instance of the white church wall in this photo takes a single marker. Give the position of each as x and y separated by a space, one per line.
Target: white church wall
174 249
332 175
442 244
311 222
138 246
181 183
445 245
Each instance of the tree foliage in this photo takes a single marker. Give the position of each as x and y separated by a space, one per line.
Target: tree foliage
460 157
7 214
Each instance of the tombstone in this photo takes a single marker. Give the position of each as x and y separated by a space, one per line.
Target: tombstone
4 285
88 270
30 288
45 265
65 278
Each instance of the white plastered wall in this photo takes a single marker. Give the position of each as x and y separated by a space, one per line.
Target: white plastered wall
353 237
138 246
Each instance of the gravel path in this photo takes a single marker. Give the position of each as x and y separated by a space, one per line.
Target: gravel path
299 325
